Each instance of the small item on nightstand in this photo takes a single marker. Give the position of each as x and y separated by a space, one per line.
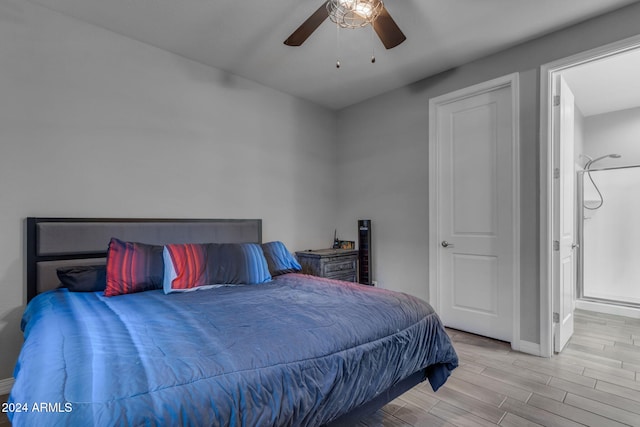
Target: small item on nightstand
347 244
336 242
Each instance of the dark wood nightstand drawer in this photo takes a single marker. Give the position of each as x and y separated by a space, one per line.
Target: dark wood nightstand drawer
339 264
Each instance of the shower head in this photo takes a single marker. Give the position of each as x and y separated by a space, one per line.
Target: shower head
591 161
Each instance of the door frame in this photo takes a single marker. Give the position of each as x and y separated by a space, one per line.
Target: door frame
547 194
512 81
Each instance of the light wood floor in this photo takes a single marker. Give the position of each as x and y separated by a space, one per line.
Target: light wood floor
594 382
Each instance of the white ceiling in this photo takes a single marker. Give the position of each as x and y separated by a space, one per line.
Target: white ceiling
606 85
246 38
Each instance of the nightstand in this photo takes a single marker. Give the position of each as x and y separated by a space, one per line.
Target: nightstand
339 264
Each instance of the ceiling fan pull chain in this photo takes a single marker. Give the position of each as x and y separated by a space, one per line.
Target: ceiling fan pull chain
373 46
337 45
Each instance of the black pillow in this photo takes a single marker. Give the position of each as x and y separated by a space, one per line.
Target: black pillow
87 278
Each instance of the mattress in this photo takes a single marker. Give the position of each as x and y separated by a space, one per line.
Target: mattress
297 351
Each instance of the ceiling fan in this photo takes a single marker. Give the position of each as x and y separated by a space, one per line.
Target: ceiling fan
351 14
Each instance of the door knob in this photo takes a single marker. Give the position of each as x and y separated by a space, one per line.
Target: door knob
574 245
446 244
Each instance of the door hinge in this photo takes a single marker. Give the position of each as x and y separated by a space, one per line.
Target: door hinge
556 100
556 173
556 318
556 245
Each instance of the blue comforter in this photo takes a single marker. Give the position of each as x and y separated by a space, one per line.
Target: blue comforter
298 351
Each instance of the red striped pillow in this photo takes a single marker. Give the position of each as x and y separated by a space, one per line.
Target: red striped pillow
133 267
194 266
185 266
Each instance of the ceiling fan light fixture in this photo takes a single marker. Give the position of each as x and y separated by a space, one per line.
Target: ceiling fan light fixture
354 13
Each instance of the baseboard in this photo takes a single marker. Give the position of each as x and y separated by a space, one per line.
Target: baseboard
5 385
529 348
599 307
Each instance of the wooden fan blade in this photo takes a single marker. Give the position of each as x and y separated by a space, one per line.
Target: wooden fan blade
309 26
387 29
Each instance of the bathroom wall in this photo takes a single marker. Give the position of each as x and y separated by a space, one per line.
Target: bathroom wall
578 136
614 132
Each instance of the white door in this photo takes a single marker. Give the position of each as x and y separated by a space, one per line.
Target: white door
475 212
564 260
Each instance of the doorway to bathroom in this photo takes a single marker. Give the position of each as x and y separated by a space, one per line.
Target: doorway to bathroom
590 178
607 155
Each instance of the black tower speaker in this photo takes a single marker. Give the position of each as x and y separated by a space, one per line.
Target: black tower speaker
364 252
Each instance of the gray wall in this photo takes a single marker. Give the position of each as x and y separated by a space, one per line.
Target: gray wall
95 124
383 161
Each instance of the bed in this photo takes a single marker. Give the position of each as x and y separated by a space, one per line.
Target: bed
295 350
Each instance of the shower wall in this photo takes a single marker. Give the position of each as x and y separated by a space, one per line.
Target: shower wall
611 236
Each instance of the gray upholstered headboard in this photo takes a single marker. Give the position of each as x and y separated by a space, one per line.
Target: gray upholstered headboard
58 242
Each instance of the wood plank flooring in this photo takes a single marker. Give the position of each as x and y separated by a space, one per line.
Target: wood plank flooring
594 382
